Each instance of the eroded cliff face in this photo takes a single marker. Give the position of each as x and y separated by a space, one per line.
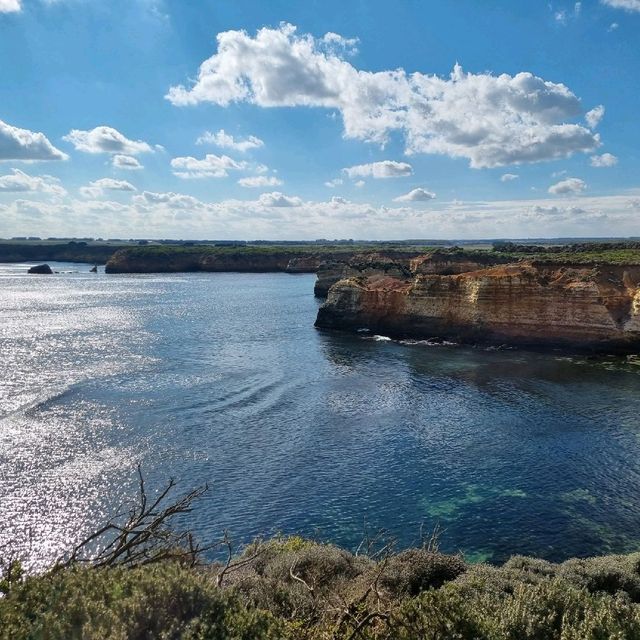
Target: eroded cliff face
593 307
391 263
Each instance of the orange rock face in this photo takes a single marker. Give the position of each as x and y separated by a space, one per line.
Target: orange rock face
594 307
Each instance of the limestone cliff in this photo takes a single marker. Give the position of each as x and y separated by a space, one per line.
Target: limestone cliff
525 303
393 263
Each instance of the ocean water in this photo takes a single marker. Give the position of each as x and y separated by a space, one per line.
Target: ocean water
222 378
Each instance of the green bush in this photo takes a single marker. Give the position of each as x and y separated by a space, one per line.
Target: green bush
413 571
295 589
161 601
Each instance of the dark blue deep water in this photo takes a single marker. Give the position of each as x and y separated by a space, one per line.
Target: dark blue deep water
221 378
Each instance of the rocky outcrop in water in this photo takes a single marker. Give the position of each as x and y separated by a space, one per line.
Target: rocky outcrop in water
41 269
523 303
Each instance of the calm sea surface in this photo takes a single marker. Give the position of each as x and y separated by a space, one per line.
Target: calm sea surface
221 378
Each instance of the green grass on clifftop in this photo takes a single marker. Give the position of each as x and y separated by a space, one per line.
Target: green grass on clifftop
152 251
584 254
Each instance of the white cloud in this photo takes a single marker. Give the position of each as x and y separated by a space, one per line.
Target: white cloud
359 184
211 166
613 26
18 181
105 140
332 184
260 181
561 17
416 195
604 160
509 177
594 116
336 40
378 170
170 200
490 120
277 199
627 5
25 145
163 215
98 187
113 185
227 141
130 163
572 186
9 6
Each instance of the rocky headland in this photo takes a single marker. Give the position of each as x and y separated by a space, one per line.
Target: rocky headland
56 252
588 300
249 259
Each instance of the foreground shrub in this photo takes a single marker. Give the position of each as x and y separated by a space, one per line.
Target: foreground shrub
414 595
410 572
550 610
160 601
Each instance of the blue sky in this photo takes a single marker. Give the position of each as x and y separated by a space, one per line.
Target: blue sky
244 119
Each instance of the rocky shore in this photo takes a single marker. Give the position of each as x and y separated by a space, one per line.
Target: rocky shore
493 300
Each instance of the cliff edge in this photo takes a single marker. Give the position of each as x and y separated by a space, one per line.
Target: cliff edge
528 303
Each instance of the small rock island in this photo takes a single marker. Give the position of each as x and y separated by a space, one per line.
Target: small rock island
40 269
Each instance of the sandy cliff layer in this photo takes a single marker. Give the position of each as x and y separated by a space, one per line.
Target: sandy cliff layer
524 303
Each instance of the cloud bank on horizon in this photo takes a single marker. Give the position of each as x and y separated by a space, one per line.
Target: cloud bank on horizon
409 144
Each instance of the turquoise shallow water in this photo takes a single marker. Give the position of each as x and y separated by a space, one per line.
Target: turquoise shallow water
221 378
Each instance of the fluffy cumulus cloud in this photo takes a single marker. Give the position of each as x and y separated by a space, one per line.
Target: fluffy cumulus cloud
211 166
378 170
21 182
489 120
604 160
96 188
627 5
9 6
253 182
105 140
129 163
509 177
277 199
570 186
25 145
332 184
227 141
594 116
416 195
